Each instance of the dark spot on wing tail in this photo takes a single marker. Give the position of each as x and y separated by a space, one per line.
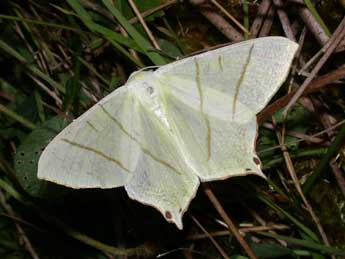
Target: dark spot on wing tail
168 214
256 161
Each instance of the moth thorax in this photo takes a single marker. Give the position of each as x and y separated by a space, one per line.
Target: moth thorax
159 113
156 107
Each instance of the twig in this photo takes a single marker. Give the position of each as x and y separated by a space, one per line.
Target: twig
313 25
311 22
150 11
326 159
51 93
219 22
296 182
326 121
296 2
292 78
334 41
140 250
143 23
132 51
312 9
338 175
22 221
301 137
228 221
39 61
284 20
260 17
233 19
311 61
97 8
143 250
254 229
263 223
337 31
266 27
315 85
21 233
214 242
59 112
296 27
7 97
43 57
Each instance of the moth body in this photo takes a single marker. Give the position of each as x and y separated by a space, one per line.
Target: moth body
167 130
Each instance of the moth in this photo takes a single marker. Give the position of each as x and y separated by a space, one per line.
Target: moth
167 130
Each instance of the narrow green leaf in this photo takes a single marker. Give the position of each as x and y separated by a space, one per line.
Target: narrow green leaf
39 105
314 255
138 38
17 117
10 190
304 243
37 22
304 228
93 70
87 20
323 164
30 67
113 37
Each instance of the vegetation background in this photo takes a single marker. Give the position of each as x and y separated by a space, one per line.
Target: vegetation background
58 58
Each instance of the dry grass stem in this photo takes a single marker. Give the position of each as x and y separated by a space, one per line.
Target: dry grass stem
146 13
209 193
284 19
296 182
214 242
143 23
244 230
227 14
266 27
334 41
21 233
338 175
260 17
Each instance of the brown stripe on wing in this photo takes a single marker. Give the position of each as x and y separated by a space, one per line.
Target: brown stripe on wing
145 150
97 152
240 81
203 114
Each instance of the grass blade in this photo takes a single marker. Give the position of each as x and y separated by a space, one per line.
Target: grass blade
138 38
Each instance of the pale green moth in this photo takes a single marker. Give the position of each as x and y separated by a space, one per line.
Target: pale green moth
167 130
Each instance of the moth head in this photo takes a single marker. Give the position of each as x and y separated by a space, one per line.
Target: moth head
139 76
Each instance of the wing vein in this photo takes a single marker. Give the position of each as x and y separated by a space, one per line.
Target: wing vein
97 152
240 81
201 97
220 62
145 150
91 125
